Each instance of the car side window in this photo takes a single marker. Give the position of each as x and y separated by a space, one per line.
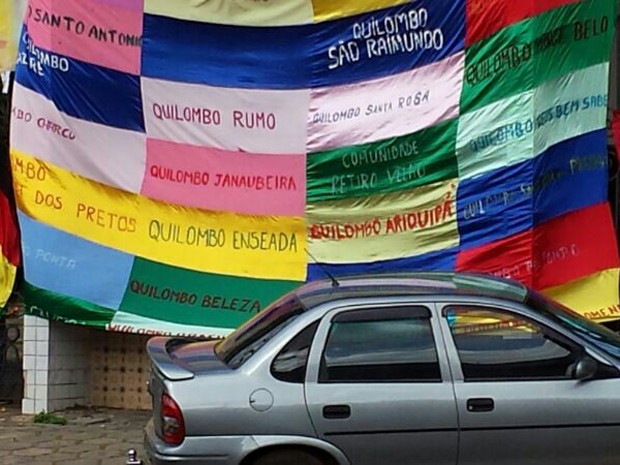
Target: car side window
497 345
387 345
291 362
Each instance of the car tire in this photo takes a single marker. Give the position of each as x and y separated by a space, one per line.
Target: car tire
289 457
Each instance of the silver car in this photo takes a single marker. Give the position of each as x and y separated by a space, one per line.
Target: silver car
429 369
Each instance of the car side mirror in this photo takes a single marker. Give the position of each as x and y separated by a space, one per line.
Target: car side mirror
586 369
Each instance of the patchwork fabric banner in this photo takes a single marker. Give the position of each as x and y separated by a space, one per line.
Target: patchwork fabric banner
176 166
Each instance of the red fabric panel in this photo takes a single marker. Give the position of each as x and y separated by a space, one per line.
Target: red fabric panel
486 17
508 258
9 235
560 251
574 246
615 130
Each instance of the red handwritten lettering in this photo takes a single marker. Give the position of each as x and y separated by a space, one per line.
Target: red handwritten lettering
55 128
254 120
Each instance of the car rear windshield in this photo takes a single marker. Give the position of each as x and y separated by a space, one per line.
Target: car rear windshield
597 334
240 345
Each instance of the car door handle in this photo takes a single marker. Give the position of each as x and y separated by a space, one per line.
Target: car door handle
336 412
480 405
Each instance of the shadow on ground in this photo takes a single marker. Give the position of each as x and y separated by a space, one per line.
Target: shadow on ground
90 437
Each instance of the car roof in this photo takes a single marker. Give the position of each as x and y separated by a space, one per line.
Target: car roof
426 284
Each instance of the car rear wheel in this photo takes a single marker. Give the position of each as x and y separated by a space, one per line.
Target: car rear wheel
289 457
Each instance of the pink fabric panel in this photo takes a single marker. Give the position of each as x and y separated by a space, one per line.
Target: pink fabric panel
94 31
220 180
393 106
133 5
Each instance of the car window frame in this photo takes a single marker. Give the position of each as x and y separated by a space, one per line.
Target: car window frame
285 345
244 344
520 312
320 338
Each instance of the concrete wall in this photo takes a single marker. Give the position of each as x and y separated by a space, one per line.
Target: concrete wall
68 365
56 365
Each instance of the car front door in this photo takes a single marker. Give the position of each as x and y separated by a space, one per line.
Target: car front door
519 402
378 386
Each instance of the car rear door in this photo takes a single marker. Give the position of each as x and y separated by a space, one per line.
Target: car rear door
378 386
518 400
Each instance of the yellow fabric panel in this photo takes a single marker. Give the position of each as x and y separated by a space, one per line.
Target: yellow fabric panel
237 12
7 36
384 227
595 296
7 279
217 242
325 10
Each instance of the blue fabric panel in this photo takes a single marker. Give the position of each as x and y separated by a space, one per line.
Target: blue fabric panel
495 205
443 260
337 52
570 176
86 91
66 264
387 42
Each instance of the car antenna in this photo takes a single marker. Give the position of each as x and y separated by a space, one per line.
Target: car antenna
334 281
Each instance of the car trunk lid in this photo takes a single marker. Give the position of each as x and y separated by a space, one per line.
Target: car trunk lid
177 360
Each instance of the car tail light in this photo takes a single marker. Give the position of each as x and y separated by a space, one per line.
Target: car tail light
172 424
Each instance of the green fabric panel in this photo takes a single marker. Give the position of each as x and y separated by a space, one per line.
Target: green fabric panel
53 306
188 297
524 55
392 165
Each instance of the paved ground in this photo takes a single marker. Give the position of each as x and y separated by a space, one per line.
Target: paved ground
91 437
